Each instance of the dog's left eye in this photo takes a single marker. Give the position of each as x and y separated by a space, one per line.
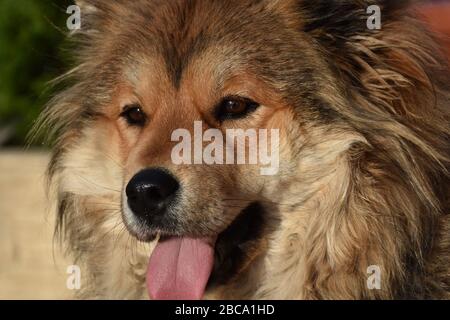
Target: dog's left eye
234 108
134 115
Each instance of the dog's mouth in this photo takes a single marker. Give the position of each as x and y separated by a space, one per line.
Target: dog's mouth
184 267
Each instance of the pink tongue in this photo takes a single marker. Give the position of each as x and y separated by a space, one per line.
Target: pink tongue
179 269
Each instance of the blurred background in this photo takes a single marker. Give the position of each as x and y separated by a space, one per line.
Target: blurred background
32 35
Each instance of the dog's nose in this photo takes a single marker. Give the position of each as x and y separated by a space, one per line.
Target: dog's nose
150 191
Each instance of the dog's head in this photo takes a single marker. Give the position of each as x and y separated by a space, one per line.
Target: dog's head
168 93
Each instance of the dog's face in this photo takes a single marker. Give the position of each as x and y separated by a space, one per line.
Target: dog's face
218 66
169 66
216 91
153 68
239 65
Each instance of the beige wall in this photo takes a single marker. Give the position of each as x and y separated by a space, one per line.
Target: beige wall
28 268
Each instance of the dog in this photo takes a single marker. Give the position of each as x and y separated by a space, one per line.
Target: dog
358 206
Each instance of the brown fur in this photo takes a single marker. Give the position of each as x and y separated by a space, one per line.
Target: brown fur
364 121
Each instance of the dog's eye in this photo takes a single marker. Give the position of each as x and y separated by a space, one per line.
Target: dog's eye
134 115
235 108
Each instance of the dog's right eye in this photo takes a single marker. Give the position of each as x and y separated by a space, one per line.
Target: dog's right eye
234 107
134 115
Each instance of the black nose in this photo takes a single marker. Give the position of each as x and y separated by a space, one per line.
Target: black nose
150 191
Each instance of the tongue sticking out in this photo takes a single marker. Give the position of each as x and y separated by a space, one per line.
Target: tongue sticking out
179 269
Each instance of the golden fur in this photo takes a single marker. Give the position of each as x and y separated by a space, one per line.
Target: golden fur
364 157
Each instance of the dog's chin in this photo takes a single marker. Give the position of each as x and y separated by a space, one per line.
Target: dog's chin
234 249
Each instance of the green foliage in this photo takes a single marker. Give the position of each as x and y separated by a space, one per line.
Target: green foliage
31 33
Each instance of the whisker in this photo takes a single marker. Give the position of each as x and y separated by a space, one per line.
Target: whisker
109 231
98 185
117 163
107 204
119 235
111 210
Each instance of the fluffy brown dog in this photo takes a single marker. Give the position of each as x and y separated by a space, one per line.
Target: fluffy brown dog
363 178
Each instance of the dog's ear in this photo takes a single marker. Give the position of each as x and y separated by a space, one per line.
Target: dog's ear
396 54
391 71
334 22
